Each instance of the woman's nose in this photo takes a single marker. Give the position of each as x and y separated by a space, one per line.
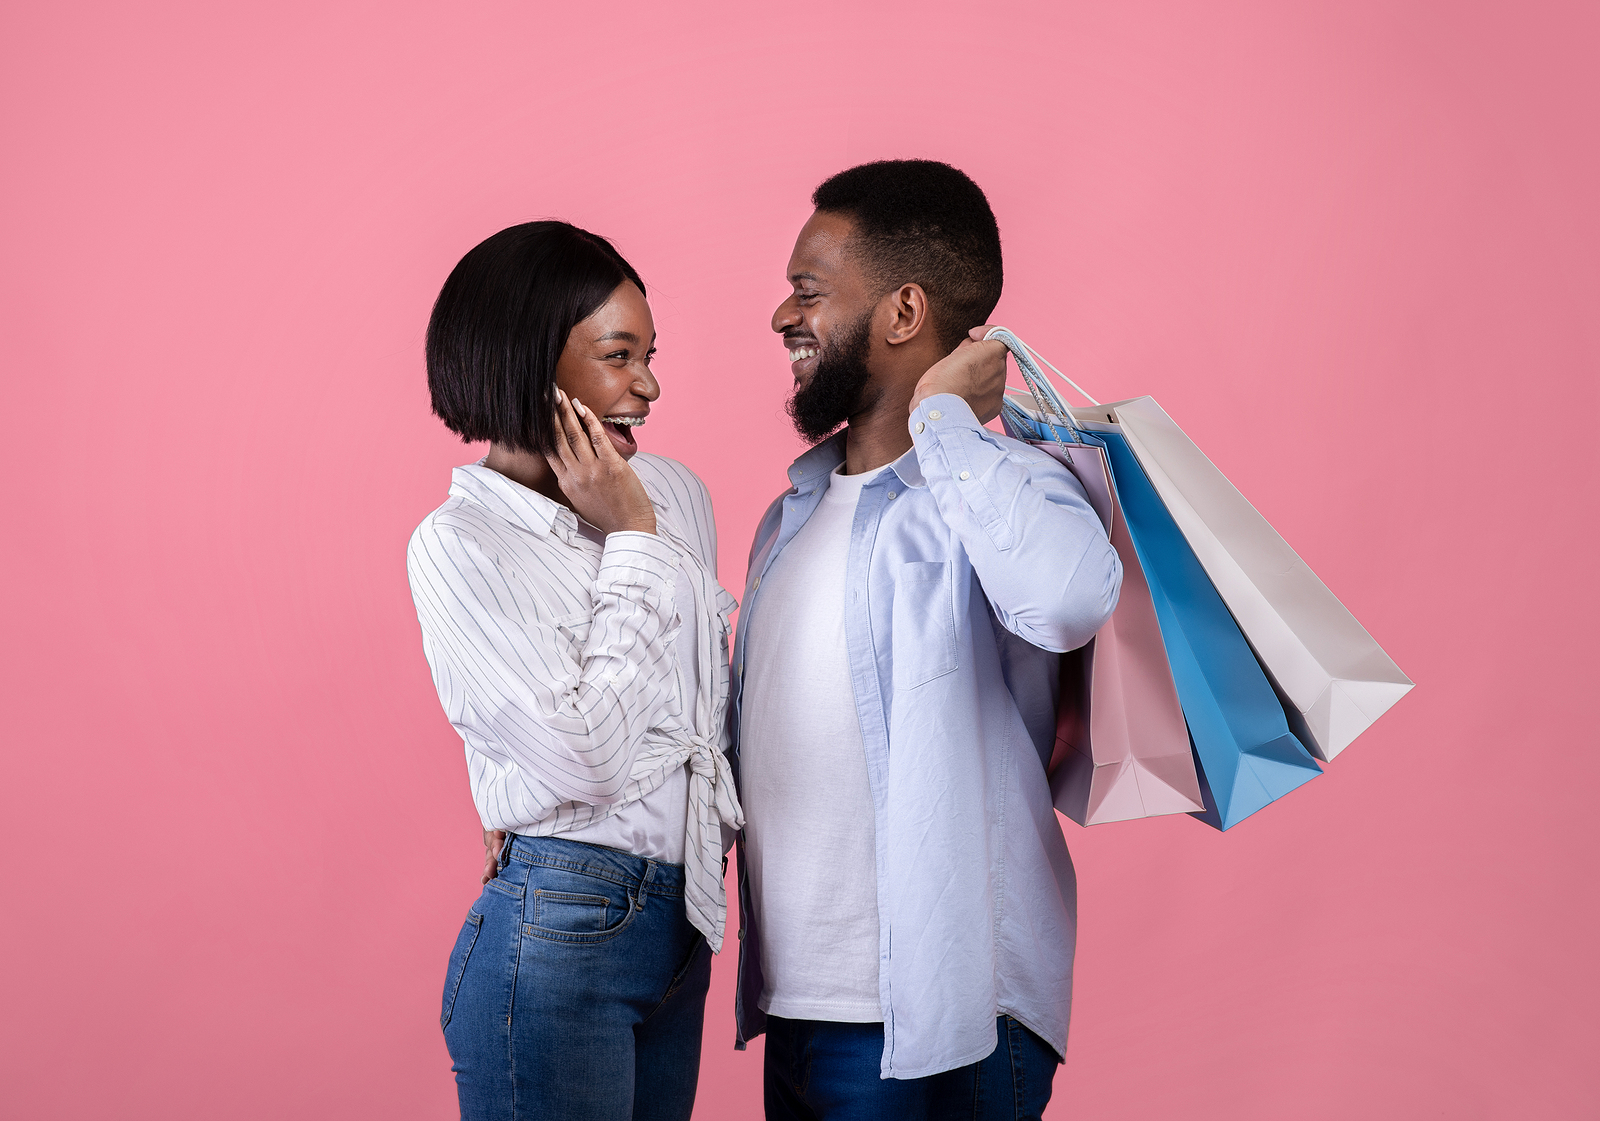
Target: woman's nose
646 385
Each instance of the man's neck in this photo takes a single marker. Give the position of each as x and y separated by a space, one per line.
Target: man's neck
880 435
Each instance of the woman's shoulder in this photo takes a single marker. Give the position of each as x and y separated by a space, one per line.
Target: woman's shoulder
672 483
681 495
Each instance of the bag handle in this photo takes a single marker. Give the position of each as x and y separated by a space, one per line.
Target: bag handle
1052 408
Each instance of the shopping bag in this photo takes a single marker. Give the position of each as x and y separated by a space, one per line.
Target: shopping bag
1335 680
1247 755
1121 748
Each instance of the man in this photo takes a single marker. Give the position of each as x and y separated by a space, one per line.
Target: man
907 901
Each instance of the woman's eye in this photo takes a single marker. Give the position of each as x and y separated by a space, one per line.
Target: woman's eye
649 356
617 356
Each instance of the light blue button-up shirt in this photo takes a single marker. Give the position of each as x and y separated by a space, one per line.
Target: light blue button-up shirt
974 562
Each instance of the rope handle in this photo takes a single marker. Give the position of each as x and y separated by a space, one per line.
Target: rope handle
1052 407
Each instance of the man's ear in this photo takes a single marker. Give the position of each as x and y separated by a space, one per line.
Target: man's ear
908 313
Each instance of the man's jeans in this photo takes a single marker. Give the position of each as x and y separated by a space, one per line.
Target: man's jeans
825 1071
577 989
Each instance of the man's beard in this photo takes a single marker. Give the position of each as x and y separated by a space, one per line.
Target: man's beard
837 389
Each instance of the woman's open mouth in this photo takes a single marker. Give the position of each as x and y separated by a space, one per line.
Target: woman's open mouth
620 429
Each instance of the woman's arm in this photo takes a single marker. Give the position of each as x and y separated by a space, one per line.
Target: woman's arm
573 721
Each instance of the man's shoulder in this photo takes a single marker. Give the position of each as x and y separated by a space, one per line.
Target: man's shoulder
1025 450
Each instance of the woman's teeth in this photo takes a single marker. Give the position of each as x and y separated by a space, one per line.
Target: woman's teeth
625 421
803 352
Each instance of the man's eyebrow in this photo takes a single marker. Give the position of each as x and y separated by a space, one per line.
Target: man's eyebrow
803 276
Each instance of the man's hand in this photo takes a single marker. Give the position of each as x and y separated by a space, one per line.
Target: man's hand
974 371
492 840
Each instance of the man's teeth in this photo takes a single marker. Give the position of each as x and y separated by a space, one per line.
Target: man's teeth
803 352
626 421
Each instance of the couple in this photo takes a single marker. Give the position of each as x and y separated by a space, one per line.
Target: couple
907 904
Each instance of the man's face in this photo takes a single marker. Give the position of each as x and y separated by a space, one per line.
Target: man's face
827 327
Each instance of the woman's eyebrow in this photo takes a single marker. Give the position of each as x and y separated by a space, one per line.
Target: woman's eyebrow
624 336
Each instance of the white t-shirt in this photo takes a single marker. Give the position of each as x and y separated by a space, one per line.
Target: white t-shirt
809 833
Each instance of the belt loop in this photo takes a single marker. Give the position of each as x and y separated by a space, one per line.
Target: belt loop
644 881
504 860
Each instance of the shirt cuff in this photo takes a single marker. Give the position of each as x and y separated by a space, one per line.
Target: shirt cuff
940 413
637 559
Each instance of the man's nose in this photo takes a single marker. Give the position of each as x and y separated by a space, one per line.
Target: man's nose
787 315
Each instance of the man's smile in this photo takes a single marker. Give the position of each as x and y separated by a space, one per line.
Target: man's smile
802 354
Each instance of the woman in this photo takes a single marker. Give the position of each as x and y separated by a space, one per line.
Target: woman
578 638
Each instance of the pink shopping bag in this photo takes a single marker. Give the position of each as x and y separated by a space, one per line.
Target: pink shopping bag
1122 746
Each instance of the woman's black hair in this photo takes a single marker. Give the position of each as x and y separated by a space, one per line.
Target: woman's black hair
501 322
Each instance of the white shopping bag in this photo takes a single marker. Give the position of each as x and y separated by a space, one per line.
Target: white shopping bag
1322 661
1325 666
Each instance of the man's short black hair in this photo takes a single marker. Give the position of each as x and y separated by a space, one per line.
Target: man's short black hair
501 322
923 222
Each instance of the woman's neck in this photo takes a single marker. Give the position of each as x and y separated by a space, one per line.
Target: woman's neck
528 468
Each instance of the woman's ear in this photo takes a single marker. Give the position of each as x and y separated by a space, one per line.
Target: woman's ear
908 313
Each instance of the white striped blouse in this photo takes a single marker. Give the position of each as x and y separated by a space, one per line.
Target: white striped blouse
555 652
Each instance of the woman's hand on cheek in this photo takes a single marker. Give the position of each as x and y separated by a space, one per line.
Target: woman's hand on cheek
596 480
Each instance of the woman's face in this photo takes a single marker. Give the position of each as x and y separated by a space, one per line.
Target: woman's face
606 364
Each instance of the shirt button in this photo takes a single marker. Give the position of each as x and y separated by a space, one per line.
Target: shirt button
757 584
966 475
920 427
891 494
935 415
740 670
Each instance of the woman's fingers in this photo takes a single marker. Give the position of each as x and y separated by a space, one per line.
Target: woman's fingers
605 451
564 459
593 430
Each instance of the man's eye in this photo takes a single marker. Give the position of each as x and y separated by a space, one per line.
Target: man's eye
806 297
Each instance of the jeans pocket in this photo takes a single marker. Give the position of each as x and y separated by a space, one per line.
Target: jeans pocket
564 905
568 912
458 963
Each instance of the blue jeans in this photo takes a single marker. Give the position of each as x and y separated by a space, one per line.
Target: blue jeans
819 1070
577 989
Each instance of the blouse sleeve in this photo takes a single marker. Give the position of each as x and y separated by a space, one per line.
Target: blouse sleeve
575 724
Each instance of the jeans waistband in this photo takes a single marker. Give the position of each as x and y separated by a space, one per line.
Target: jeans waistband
655 877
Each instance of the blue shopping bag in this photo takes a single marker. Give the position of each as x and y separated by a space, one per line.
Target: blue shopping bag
1246 754
1248 757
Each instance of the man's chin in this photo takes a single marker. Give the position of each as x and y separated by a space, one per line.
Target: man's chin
813 428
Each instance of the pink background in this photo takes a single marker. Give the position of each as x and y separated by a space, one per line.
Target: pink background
1350 246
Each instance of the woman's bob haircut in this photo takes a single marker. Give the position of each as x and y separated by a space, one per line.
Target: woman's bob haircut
501 322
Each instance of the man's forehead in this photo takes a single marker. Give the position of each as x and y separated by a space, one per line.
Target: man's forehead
821 246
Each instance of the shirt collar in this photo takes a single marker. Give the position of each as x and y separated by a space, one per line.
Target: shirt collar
816 463
509 499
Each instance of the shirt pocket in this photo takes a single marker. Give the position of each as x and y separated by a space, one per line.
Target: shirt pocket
924 623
